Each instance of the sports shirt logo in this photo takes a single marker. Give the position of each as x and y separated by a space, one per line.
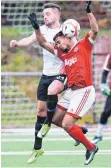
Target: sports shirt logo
71 61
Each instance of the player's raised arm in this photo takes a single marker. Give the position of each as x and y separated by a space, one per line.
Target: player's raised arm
92 20
24 41
40 38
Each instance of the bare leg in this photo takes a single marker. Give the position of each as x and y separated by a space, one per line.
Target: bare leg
58 117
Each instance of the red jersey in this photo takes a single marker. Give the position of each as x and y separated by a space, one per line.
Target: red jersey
77 61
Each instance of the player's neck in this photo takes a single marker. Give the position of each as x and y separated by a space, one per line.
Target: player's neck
55 25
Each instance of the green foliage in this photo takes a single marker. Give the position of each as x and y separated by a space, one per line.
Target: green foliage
21 61
15 32
100 33
18 59
11 31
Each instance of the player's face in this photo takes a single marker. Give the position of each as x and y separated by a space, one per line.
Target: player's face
50 16
63 43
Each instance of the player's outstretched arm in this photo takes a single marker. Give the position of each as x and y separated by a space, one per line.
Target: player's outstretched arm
92 20
40 38
23 42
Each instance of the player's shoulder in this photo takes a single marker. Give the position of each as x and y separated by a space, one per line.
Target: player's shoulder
87 35
87 40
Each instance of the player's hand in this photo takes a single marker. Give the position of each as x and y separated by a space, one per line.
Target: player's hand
105 89
33 19
88 6
13 43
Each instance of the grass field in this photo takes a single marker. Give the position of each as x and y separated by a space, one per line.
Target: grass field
59 150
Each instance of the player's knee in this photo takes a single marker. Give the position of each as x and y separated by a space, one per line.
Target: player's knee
57 122
41 111
66 125
55 90
52 91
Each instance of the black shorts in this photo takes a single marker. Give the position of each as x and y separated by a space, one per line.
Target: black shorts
44 83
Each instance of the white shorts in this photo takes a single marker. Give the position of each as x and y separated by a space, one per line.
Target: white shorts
78 102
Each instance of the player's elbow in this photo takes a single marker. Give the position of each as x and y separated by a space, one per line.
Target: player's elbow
94 33
42 44
96 29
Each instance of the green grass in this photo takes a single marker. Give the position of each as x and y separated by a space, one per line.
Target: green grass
54 161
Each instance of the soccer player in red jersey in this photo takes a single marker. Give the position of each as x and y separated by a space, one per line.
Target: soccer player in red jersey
105 88
80 94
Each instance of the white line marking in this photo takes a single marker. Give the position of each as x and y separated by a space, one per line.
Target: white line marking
52 131
76 152
45 139
55 167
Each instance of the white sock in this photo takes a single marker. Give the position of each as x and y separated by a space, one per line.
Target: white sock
100 129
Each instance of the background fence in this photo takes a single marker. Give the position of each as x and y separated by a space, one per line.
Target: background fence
21 66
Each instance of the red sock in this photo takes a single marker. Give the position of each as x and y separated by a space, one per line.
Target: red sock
80 127
76 133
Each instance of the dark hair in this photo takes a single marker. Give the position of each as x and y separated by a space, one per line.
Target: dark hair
59 34
52 5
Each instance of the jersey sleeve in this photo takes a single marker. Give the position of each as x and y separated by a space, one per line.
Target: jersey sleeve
107 63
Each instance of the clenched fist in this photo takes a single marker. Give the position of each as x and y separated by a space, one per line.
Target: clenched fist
13 43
